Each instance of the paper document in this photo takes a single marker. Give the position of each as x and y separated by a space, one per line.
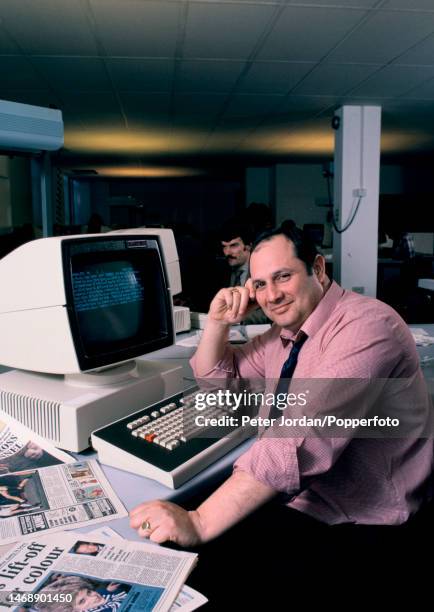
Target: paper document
256 330
421 336
22 449
235 335
187 600
91 572
34 502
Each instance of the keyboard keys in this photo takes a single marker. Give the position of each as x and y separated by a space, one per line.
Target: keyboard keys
172 425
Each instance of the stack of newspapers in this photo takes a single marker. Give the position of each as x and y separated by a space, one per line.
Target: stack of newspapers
43 567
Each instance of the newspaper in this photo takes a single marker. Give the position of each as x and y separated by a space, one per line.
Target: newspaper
188 599
54 498
22 449
68 573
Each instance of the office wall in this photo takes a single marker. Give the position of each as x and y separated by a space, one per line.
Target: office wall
301 192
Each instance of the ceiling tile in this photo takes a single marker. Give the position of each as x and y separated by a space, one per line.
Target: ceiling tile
273 77
415 115
334 3
307 34
423 92
101 121
276 2
251 106
47 27
18 72
422 53
385 36
224 30
207 75
83 102
297 107
7 44
407 4
223 141
134 28
37 98
143 107
141 74
334 79
394 81
73 72
199 105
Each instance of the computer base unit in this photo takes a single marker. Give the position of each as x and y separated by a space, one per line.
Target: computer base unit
66 412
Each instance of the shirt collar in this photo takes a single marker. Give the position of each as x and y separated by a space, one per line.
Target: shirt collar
318 317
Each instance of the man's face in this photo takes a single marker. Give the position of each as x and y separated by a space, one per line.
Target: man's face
33 451
236 252
86 599
87 548
284 290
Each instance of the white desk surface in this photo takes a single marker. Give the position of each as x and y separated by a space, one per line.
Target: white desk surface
426 283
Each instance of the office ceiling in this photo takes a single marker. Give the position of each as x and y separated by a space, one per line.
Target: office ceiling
169 85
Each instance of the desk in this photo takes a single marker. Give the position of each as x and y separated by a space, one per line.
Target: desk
426 283
426 354
133 489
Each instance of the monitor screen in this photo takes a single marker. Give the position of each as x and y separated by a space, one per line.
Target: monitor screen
117 298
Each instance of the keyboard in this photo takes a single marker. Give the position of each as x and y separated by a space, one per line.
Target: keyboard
161 441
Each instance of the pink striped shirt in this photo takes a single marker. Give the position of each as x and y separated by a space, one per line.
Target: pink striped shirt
358 480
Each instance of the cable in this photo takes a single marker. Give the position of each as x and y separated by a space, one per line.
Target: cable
329 191
352 217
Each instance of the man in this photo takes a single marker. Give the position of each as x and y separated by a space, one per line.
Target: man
87 548
324 480
236 244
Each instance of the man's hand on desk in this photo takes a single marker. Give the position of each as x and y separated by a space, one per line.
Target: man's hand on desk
162 521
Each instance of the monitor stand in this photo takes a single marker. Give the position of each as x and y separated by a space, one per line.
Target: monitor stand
65 410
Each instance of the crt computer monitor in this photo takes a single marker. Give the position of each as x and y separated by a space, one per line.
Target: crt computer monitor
117 299
76 310
73 304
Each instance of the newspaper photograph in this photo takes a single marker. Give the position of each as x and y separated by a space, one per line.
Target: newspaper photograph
188 599
66 573
53 498
22 449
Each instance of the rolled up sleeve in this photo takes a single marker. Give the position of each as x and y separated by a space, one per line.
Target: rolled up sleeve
273 462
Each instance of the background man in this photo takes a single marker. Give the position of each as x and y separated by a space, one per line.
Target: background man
236 242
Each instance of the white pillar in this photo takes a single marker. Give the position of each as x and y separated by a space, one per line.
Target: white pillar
357 172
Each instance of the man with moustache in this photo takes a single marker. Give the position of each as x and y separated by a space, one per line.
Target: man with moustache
236 244
343 497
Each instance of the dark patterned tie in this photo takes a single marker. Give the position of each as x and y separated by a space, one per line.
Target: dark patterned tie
286 373
237 278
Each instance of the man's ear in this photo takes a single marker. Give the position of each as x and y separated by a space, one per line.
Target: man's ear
319 267
248 247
